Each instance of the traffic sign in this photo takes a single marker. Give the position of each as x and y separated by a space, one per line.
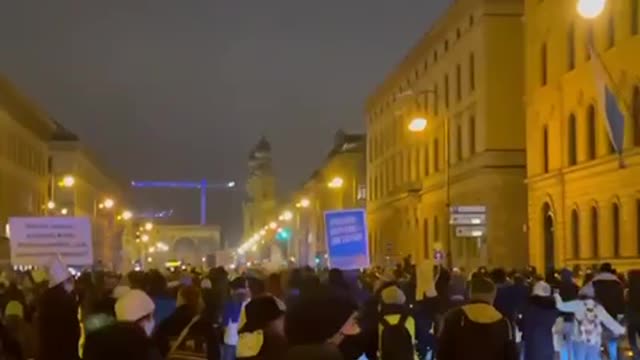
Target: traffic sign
470 231
468 219
471 209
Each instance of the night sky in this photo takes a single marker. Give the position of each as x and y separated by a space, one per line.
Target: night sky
181 89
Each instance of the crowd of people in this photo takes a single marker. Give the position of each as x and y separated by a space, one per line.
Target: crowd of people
311 314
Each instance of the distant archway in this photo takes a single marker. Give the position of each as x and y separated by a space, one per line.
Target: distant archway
186 250
548 229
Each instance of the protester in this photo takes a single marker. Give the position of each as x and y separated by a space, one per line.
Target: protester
129 337
485 333
538 317
57 324
590 316
609 292
262 336
231 316
397 332
633 310
19 329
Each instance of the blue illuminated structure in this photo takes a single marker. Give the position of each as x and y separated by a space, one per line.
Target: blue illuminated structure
202 185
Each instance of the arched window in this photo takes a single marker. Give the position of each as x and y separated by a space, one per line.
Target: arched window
594 231
545 150
575 233
635 115
571 47
591 132
573 143
615 231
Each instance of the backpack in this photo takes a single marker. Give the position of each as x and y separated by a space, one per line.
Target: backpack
396 342
589 327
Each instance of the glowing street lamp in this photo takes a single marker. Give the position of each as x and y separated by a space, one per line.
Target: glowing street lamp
127 215
231 184
273 225
263 232
144 237
68 181
418 125
51 205
287 215
336 183
109 203
304 202
64 211
591 9
148 226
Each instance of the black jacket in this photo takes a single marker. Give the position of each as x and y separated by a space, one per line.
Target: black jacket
610 293
121 341
485 333
57 326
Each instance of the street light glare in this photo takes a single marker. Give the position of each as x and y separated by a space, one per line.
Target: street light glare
231 184
418 125
109 203
336 182
591 9
273 225
68 181
51 205
305 203
144 237
64 211
148 226
287 215
127 215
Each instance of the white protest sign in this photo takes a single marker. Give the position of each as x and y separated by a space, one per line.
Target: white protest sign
34 240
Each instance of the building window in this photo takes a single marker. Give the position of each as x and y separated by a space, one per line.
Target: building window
543 65
425 238
472 134
615 231
545 149
446 91
611 32
436 99
472 72
427 170
575 233
573 151
458 82
635 8
436 230
590 41
571 47
591 132
459 142
436 155
635 114
594 231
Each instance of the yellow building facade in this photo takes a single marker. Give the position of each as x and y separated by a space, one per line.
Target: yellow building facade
466 78
584 207
24 134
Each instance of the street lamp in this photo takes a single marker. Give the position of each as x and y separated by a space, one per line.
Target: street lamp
144 237
127 215
109 203
591 9
64 211
51 205
287 215
68 181
336 183
148 226
231 184
418 125
304 202
273 225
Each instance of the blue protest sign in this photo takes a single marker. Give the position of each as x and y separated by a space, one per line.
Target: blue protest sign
347 241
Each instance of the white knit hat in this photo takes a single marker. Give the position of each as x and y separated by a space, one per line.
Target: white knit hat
133 306
120 291
541 288
58 272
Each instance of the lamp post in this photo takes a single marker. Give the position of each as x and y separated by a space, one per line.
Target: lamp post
590 9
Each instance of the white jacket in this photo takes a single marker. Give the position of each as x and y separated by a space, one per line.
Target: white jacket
578 308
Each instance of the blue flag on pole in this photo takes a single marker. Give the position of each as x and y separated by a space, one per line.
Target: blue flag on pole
608 99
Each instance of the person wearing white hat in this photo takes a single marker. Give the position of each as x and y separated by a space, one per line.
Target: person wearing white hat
58 327
136 307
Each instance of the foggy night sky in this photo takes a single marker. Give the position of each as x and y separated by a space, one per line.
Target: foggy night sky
181 89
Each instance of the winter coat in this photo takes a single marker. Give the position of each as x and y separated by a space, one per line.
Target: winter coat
538 317
172 326
121 341
57 325
23 333
509 299
485 333
579 309
610 293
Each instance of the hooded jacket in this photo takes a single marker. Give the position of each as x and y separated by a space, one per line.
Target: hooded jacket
485 333
610 293
538 318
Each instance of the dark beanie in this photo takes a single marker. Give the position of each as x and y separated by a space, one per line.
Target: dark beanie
316 317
